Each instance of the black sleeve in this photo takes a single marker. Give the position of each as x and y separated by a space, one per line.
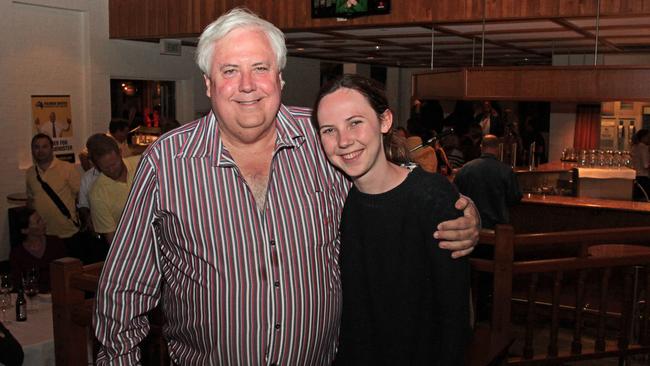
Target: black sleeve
450 282
11 353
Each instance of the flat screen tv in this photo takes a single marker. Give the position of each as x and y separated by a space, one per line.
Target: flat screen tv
348 8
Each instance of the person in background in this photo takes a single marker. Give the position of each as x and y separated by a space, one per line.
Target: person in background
87 180
232 224
454 155
490 183
470 143
119 130
36 249
108 194
11 352
62 180
423 155
401 131
405 300
489 119
640 155
531 134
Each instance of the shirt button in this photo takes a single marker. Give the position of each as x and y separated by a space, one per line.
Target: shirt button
272 242
277 327
276 283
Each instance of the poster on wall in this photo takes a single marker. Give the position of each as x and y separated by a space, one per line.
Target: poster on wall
51 115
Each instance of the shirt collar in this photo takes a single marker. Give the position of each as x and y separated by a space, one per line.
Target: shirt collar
205 141
488 155
53 164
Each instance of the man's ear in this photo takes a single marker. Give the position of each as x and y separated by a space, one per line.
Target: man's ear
208 83
386 121
281 81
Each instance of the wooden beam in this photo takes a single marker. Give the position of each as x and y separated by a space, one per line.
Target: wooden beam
537 83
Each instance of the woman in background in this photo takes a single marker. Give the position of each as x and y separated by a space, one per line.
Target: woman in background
36 250
405 300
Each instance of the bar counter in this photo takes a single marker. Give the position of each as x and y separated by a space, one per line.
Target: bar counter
586 202
540 213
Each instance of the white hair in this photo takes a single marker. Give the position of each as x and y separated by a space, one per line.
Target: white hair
235 19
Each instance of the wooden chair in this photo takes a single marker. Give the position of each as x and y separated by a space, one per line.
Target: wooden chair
570 273
72 311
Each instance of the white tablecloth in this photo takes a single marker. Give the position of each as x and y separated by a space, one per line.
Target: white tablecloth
35 335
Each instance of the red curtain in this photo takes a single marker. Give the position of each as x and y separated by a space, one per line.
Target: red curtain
587 130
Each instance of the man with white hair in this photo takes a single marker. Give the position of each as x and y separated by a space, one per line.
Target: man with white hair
232 223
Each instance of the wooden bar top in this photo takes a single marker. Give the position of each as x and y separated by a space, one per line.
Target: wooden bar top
552 167
585 202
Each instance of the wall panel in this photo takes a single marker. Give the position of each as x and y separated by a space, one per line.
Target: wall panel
172 18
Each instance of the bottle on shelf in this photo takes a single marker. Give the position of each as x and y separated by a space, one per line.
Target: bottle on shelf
21 306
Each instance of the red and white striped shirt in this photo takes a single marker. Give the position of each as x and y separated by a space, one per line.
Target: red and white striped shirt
239 284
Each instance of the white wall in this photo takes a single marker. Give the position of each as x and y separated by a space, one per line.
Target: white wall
62 47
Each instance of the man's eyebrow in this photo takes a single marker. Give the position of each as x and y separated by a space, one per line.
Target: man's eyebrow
221 66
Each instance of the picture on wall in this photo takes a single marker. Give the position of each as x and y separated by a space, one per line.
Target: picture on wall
51 115
348 8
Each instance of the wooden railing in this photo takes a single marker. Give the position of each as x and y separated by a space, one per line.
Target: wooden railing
71 311
73 289
570 273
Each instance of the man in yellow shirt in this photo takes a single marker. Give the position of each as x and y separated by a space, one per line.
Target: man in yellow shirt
62 179
109 192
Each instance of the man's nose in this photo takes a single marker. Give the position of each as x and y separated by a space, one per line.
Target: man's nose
246 82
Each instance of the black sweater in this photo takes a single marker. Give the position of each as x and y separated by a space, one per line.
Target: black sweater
405 301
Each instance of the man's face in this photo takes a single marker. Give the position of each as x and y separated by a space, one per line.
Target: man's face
487 107
42 150
244 85
111 165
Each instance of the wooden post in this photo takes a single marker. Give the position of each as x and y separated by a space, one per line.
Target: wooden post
502 296
70 339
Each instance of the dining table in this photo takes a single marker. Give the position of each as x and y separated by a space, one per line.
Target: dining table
35 335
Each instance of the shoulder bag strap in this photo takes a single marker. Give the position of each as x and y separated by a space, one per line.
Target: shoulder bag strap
55 198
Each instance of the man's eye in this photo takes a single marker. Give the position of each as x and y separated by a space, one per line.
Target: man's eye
355 122
261 68
228 72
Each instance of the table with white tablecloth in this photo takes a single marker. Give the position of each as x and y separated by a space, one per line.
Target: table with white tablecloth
35 335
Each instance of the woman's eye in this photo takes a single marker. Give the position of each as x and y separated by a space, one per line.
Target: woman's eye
326 131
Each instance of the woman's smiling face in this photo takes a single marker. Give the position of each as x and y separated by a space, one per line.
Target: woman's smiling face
351 132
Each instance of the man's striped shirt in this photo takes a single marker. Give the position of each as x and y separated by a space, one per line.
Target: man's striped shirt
238 284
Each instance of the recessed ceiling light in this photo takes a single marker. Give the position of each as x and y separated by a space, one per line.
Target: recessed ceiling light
377 47
300 49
